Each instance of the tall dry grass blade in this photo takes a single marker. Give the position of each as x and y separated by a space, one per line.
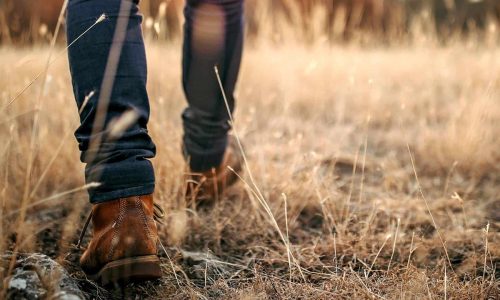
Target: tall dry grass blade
272 221
254 186
61 53
419 188
47 168
56 196
170 261
448 177
287 234
456 196
487 229
394 244
376 256
118 126
34 132
58 150
86 101
109 77
411 251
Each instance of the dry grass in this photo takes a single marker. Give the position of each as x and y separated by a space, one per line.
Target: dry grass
325 128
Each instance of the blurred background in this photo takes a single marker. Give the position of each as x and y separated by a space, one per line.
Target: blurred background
339 21
341 103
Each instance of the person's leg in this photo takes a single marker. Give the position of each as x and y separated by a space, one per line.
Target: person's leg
110 61
213 36
120 165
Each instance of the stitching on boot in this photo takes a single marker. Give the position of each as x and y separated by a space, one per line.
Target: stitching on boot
140 208
114 240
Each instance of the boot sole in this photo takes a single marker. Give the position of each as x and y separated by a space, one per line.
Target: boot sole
132 269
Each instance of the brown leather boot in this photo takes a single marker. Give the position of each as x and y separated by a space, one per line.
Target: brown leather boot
123 246
209 185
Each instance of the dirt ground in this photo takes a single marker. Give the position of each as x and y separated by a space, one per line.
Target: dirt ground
376 174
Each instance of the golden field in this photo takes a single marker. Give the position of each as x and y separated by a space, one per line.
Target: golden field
376 174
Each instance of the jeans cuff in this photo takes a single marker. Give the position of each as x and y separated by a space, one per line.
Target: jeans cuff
120 179
202 162
100 197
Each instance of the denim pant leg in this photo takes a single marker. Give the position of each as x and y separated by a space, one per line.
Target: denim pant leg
120 165
213 36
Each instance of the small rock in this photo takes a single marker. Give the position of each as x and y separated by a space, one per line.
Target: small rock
204 264
36 274
25 284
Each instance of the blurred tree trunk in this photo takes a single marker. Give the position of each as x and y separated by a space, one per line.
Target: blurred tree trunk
4 27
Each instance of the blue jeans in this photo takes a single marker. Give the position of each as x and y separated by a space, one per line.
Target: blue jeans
213 35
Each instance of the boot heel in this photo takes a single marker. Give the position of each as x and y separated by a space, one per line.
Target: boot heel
130 269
